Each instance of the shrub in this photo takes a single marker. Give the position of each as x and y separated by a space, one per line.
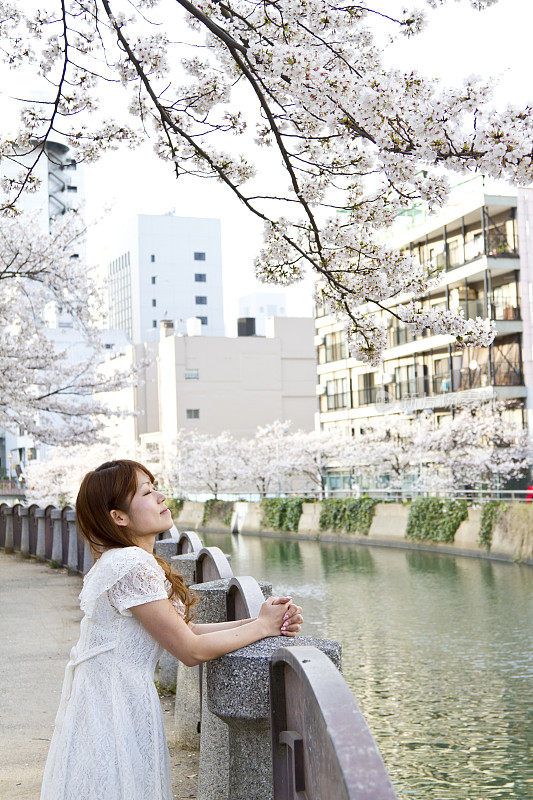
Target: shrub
175 504
220 510
352 514
489 512
282 513
435 520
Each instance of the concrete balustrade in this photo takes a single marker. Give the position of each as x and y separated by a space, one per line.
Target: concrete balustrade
57 536
7 512
72 555
238 694
41 527
213 775
259 708
23 513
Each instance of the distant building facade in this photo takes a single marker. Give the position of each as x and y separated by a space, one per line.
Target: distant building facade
212 384
166 268
260 306
481 246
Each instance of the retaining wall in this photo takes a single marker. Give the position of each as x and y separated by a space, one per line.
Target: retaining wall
512 537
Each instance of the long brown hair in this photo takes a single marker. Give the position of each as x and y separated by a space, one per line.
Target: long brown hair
112 486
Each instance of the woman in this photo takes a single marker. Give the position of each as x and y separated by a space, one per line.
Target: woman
109 740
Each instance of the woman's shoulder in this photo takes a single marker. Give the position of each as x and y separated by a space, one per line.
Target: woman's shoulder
113 565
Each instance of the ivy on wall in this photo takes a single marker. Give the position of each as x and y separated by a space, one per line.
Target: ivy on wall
175 504
489 512
220 510
350 514
282 513
435 520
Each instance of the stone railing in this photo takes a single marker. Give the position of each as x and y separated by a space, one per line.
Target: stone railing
274 720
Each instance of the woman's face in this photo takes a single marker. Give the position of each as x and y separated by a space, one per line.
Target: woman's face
147 513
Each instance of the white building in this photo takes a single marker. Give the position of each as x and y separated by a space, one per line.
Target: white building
166 268
60 189
213 384
260 306
481 246
60 182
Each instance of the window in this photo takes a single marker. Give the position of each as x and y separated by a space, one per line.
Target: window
153 279
152 258
154 302
108 346
72 188
154 323
200 277
203 320
201 300
193 413
191 375
337 395
199 256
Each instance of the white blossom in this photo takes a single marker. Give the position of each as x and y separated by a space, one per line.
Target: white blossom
358 140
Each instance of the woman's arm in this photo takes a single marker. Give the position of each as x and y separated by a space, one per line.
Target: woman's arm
199 628
172 632
292 622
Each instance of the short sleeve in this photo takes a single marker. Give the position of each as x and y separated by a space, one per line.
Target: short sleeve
143 583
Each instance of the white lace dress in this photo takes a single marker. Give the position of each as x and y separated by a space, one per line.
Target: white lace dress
109 739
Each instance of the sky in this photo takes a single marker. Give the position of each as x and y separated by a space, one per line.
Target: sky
459 42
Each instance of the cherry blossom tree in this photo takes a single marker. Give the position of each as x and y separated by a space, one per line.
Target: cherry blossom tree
350 133
316 453
56 479
204 464
43 388
268 459
393 446
480 444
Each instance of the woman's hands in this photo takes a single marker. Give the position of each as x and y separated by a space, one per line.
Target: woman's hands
280 617
292 621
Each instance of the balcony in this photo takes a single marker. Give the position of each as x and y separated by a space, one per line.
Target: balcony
335 401
414 387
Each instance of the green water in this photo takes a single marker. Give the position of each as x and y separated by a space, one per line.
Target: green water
437 651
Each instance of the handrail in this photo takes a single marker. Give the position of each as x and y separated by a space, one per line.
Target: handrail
189 542
244 598
212 565
321 744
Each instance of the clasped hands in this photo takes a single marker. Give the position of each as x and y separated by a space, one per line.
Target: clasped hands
281 616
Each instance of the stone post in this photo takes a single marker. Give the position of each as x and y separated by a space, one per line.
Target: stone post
57 541
39 549
24 532
238 694
166 548
187 704
171 672
7 511
213 773
88 558
72 555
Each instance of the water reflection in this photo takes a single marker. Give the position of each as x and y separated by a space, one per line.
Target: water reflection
436 649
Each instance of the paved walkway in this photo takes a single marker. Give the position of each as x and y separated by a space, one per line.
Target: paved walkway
39 623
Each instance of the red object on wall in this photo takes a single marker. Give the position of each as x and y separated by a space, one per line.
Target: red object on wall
529 494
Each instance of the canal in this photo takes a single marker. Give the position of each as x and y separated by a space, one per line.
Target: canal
436 649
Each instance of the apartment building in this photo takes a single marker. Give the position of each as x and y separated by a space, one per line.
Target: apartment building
165 267
480 248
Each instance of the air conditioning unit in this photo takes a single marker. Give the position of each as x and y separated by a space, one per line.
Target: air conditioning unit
318 340
320 389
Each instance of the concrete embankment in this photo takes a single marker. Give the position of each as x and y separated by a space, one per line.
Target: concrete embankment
511 533
39 623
